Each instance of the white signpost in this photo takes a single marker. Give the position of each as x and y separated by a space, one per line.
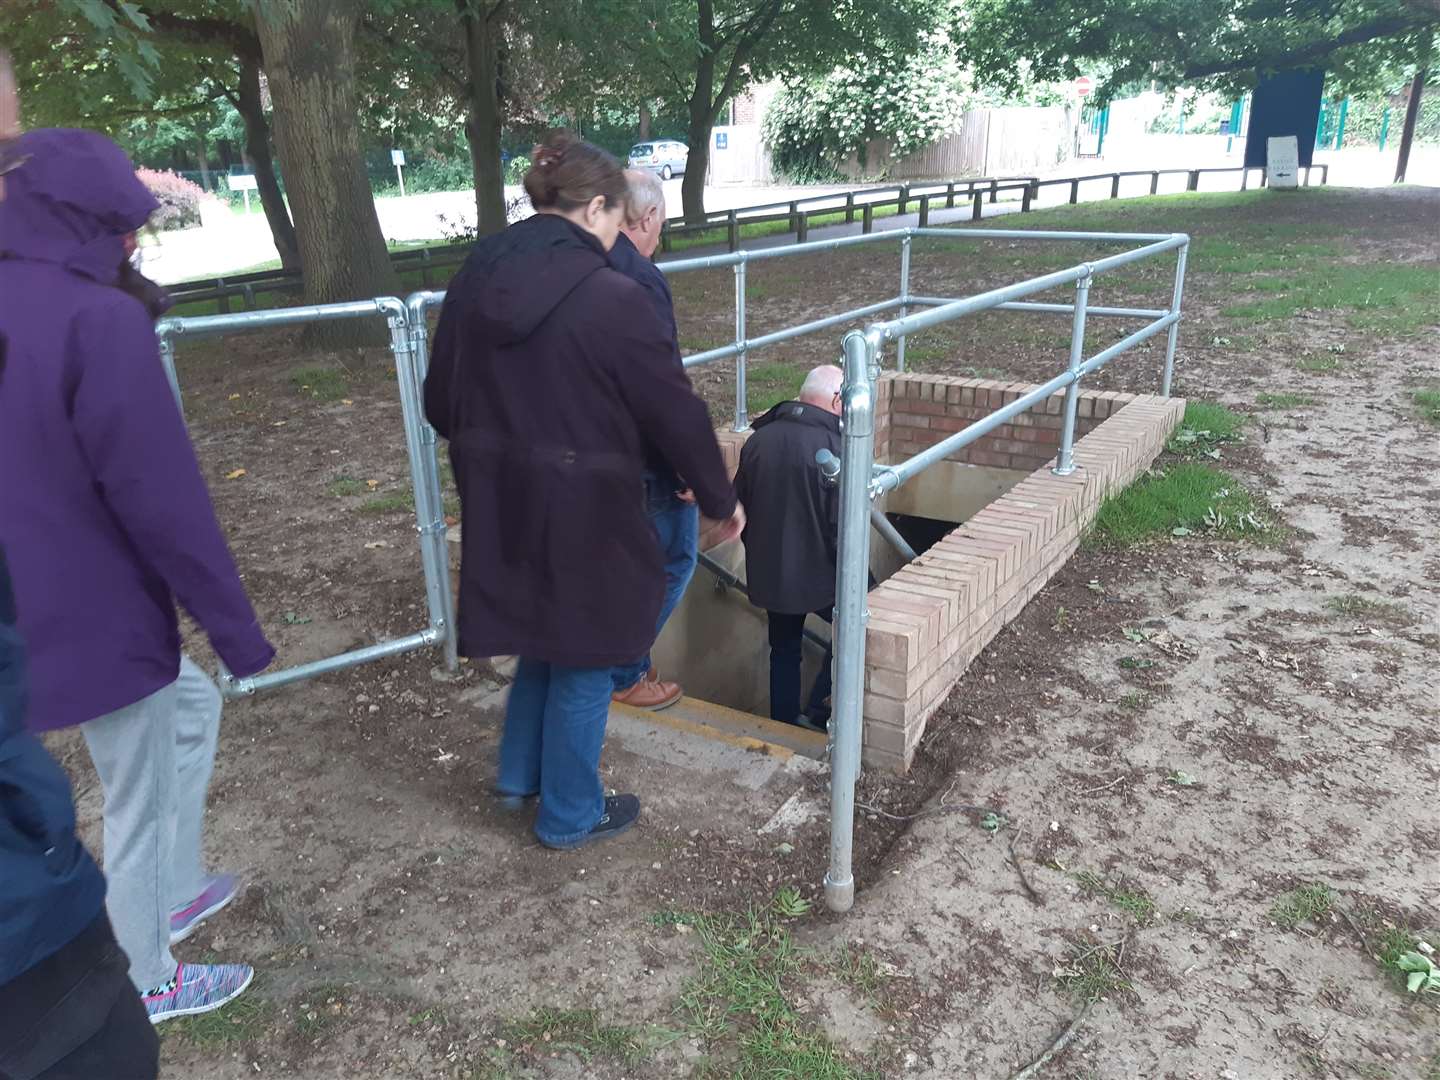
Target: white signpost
244 182
1282 161
397 158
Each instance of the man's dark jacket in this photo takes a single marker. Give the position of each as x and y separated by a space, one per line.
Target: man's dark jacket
555 382
626 258
790 538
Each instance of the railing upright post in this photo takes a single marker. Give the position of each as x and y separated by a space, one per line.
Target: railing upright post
1193 183
167 360
1027 196
802 228
1244 178
904 297
1174 335
1154 182
977 206
994 189
1115 186
904 201
732 231
742 406
849 208
867 218
924 211
665 238
852 573
950 195
795 218
1074 191
1065 460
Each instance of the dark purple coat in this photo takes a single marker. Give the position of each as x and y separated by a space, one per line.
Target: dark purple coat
103 512
553 378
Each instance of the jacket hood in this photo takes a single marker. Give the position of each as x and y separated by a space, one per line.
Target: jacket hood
70 199
519 276
799 412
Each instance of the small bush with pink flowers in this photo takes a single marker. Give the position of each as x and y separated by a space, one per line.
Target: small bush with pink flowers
179 199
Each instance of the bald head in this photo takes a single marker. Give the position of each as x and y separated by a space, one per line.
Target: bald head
822 388
644 211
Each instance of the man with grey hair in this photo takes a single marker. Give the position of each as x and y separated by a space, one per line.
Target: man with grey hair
671 507
790 534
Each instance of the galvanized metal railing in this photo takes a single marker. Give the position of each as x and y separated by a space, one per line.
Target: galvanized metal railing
420 443
862 480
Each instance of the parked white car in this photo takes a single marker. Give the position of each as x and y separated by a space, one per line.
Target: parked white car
662 156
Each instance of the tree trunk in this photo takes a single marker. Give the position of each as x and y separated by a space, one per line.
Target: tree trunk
702 120
257 154
309 50
644 121
1412 116
480 24
204 163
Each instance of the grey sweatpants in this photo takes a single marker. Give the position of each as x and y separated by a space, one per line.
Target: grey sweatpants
154 760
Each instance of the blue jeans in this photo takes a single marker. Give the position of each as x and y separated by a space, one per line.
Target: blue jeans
787 639
554 729
677 524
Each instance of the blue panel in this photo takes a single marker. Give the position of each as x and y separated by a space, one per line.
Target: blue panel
1284 104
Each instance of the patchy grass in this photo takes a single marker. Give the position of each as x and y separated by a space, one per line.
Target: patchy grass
1133 901
1317 364
1427 402
858 969
345 487
321 383
1308 903
1356 606
400 501
246 1019
1267 400
1134 701
581 1032
319 1009
1383 297
739 1004
768 384
1092 972
1181 500
1204 428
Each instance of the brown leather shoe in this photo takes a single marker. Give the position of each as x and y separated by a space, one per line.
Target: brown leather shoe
650 694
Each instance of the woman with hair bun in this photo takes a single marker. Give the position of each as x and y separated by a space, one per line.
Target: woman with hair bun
554 381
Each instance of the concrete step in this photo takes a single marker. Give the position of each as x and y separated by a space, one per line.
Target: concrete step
743 730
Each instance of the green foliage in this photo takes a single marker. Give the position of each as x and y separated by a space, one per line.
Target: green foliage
1428 403
1308 903
1133 901
1205 427
582 1033
1177 501
1092 972
1400 298
321 383
1221 45
906 98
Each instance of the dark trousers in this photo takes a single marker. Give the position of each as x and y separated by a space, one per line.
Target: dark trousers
787 640
76 1016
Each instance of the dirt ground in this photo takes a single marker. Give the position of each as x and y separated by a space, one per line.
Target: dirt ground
1171 738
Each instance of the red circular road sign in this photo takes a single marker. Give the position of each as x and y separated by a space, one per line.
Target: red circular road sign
1083 85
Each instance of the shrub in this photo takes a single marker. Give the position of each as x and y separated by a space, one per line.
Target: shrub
179 199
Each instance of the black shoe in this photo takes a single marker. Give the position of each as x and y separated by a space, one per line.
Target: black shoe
813 722
621 811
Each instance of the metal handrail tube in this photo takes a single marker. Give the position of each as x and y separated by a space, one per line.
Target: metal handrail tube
1175 326
724 351
890 477
924 320
1110 262
1100 359
233 687
1043 234
1059 309
851 579
196 325
711 262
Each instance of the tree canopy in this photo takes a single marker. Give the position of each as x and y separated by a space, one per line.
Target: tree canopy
1224 45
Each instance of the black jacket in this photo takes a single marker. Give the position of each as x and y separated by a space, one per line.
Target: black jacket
554 381
790 538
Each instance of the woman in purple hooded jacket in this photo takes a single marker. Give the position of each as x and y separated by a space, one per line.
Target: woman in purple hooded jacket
107 522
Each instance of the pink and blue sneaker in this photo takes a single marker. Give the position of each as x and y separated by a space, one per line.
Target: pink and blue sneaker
196 989
219 890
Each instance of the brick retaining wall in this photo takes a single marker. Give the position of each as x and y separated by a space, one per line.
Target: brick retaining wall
933 617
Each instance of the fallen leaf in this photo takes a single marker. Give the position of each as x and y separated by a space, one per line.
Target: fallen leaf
372 484
346 401
280 423
377 544
235 475
234 397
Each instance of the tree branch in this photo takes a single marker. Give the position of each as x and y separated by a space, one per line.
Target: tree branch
1389 26
198 30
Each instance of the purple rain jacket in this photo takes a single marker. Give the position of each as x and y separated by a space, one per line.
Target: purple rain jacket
103 511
